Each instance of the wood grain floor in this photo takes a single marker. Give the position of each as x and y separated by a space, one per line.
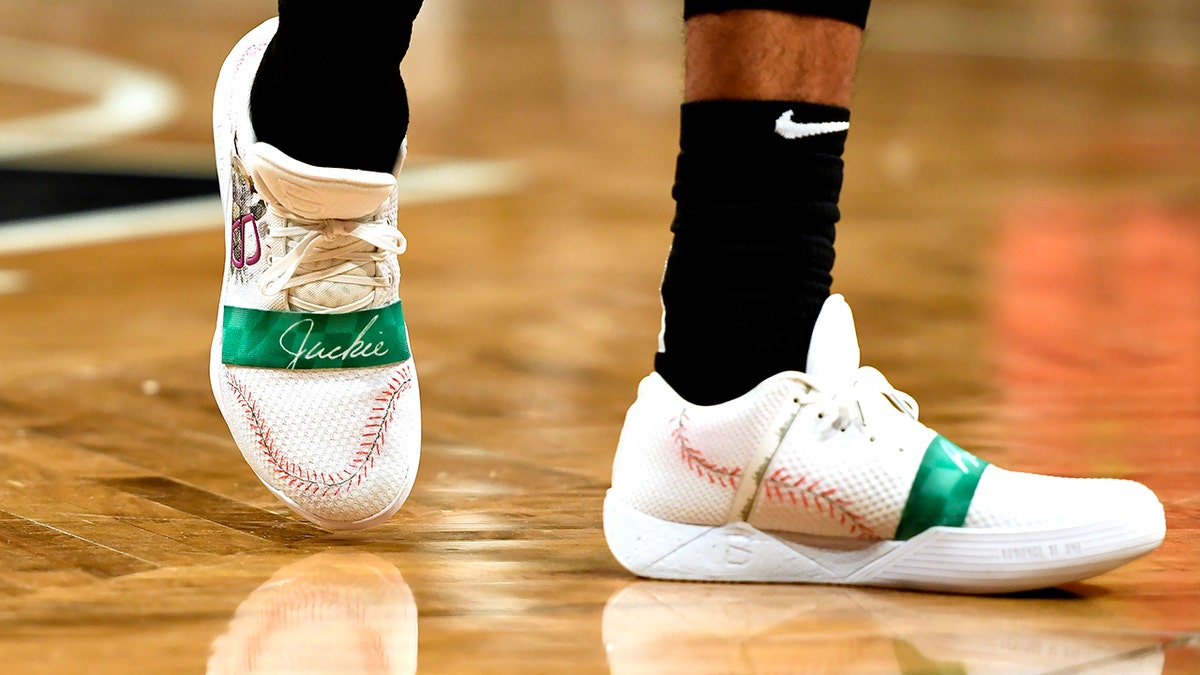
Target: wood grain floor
1021 242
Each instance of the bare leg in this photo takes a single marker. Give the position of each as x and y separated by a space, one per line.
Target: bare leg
763 55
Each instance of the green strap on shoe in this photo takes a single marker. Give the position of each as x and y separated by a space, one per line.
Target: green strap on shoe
943 489
299 341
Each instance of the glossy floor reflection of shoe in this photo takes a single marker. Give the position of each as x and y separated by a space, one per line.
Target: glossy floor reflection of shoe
334 612
654 627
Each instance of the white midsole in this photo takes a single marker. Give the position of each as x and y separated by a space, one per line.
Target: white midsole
961 560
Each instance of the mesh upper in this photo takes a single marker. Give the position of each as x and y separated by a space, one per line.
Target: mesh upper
1015 499
340 444
682 463
837 487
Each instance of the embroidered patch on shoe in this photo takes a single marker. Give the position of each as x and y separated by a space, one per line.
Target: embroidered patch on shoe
298 341
942 490
246 245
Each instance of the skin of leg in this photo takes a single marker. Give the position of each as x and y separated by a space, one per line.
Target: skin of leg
766 55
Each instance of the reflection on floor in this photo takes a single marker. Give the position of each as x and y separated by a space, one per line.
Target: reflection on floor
717 628
337 611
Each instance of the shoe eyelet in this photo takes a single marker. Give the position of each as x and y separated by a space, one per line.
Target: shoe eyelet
821 416
872 439
796 400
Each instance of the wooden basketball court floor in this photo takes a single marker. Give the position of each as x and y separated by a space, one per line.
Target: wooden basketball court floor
1021 242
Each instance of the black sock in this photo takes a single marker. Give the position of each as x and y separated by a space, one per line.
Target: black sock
329 90
754 228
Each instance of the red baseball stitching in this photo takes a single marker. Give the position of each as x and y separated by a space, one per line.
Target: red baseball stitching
314 482
696 461
779 485
252 50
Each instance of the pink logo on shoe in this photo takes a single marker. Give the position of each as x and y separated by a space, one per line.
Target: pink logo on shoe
248 210
237 249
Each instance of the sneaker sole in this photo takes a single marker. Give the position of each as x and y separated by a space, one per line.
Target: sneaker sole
944 559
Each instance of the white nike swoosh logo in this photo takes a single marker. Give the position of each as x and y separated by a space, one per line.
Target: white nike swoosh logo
784 126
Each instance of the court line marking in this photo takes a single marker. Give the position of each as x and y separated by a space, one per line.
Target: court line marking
446 181
80 538
126 99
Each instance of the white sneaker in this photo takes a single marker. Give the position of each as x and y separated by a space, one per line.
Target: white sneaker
828 477
310 362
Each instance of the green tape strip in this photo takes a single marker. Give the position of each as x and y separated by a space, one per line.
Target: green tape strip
299 341
943 489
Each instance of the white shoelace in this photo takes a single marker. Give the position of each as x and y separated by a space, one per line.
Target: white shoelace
842 409
312 246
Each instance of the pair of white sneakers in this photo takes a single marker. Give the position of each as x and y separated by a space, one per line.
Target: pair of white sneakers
825 476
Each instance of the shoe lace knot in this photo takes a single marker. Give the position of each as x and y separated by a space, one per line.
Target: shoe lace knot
842 408
335 251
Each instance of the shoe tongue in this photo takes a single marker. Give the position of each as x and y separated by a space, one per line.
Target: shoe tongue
833 354
318 193
315 192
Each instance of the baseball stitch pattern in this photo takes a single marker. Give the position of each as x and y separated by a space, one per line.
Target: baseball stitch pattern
780 485
697 462
319 482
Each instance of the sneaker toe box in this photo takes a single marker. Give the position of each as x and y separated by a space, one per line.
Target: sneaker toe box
339 447
1112 518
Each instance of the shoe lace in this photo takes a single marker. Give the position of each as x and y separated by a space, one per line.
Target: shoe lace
842 409
328 250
